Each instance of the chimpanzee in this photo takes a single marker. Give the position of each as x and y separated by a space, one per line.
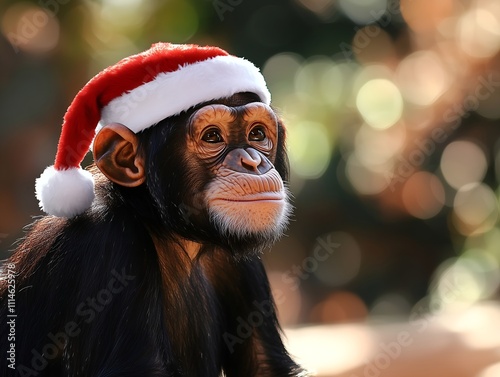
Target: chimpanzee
148 263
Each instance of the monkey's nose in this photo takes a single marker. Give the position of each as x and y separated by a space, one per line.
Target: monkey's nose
247 161
251 159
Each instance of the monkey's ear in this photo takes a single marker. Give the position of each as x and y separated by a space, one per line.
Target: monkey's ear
116 155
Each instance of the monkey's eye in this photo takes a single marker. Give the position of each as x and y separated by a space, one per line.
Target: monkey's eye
257 134
212 136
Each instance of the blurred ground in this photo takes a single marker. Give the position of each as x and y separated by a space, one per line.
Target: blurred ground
454 344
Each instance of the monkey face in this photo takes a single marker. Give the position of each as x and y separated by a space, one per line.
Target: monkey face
238 145
213 175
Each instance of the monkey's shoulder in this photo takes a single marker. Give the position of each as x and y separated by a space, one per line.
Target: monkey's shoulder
79 249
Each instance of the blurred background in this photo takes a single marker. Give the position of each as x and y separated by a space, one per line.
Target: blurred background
391 264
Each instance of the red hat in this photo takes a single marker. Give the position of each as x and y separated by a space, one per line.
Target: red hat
138 91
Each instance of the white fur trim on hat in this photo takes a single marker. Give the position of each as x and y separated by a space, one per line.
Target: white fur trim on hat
65 193
170 93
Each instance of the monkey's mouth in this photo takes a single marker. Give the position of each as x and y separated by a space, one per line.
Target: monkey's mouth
260 197
265 213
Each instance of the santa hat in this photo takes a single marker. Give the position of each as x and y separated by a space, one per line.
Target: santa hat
138 91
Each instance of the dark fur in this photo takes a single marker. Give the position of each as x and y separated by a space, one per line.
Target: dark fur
170 317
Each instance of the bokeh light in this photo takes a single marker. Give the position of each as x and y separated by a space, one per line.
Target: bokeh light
465 280
463 162
390 305
488 265
320 76
475 209
380 103
340 307
278 69
30 28
125 14
309 149
363 11
479 32
422 78
426 15
376 148
367 180
460 282
333 82
423 195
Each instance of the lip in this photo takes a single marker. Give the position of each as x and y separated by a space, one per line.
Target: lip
265 197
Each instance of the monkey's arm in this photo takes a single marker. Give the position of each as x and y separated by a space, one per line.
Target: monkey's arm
272 357
251 340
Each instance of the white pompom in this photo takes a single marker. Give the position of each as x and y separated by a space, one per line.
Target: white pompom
65 193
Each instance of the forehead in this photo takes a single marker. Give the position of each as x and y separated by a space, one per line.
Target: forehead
216 113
